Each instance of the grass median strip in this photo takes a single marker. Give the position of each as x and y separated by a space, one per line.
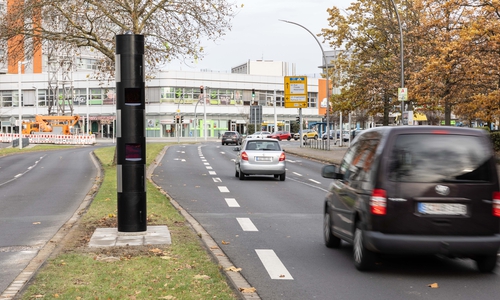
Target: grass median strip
182 270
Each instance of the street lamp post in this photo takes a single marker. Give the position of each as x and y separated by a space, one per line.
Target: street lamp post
401 53
327 80
19 64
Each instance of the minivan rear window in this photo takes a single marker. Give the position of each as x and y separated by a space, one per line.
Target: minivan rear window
440 158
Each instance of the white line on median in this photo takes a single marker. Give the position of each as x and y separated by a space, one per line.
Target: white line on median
273 264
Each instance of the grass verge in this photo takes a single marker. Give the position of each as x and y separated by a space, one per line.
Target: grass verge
182 270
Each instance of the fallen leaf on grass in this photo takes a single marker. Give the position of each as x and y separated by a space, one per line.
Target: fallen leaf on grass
201 277
167 297
248 290
156 250
433 285
233 268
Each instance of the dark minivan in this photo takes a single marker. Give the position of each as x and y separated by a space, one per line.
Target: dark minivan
416 190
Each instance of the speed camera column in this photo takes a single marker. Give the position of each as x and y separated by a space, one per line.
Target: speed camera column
130 133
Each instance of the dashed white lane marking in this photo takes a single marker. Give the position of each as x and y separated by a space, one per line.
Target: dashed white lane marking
223 189
209 168
298 174
217 179
212 173
231 202
273 264
206 164
315 181
246 224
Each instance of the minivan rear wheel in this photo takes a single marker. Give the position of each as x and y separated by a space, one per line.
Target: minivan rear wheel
486 263
363 258
331 241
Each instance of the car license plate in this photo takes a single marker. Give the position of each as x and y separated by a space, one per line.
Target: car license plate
454 209
263 158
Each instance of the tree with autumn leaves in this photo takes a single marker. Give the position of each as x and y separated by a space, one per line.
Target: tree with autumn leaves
172 29
451 57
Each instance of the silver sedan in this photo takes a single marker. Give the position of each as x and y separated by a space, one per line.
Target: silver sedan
260 157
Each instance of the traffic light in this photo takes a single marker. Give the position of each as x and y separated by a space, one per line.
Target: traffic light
253 93
182 119
177 119
297 120
201 89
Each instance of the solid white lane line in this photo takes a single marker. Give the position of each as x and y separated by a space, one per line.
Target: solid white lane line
212 173
247 224
231 202
315 181
273 264
223 189
217 179
298 174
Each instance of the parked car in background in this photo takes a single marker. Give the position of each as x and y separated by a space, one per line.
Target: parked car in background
309 134
280 135
417 190
258 135
260 156
306 134
231 137
331 135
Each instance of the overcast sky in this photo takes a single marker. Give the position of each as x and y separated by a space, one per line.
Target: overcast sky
257 34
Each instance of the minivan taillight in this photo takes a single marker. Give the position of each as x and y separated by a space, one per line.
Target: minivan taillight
244 156
282 157
378 202
496 204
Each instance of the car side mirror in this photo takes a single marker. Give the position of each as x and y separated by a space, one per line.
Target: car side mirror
331 171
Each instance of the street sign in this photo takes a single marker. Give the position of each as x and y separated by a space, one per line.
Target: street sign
402 94
295 91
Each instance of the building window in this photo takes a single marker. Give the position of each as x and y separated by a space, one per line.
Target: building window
87 64
42 97
6 98
80 97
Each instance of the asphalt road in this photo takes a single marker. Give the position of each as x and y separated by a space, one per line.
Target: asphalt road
39 192
272 230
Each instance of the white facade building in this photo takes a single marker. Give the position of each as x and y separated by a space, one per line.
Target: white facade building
228 97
